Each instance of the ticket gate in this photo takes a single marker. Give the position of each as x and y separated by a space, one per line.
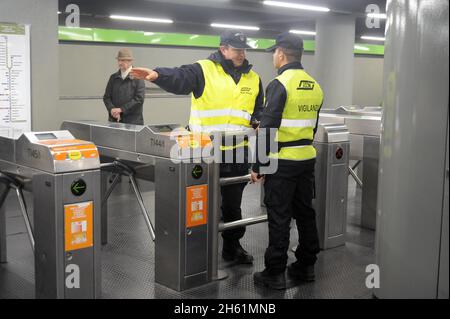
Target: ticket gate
364 126
333 151
187 191
186 181
63 174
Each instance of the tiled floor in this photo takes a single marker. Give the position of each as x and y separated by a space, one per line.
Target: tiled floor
128 262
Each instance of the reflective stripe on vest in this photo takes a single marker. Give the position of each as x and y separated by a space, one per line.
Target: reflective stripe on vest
216 128
303 101
223 112
224 105
298 123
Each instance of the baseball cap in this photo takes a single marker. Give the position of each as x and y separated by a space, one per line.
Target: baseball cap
287 40
235 39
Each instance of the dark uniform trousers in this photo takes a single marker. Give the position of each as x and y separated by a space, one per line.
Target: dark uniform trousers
288 194
232 196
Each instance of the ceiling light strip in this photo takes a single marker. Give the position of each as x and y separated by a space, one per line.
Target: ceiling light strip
365 37
302 32
141 19
234 26
296 6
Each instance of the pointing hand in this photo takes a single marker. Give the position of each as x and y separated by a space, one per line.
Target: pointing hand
144 74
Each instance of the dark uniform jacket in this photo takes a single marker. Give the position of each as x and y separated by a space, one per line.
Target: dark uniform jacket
190 79
128 94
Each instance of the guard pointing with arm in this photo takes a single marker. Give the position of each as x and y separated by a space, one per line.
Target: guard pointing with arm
293 102
227 95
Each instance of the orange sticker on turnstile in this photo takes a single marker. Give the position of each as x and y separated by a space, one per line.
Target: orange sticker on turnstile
74 152
193 140
196 205
73 147
59 142
78 226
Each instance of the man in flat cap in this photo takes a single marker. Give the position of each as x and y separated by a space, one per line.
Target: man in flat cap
293 102
124 96
226 96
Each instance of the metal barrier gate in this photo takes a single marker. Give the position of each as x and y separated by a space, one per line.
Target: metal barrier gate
63 175
187 192
364 126
333 149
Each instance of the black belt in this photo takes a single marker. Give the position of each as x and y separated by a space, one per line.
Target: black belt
303 142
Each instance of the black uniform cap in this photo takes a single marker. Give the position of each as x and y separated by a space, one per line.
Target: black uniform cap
235 39
287 40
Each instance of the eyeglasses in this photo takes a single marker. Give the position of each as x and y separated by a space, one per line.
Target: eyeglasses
238 51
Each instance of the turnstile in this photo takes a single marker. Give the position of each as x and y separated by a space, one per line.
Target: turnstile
364 126
332 144
186 187
187 190
63 174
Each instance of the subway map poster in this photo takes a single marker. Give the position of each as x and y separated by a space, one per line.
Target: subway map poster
15 97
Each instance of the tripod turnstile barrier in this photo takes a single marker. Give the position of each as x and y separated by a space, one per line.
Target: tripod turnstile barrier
332 145
177 161
63 174
364 126
187 191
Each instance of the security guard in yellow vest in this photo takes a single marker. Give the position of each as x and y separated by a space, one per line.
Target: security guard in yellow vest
293 102
226 96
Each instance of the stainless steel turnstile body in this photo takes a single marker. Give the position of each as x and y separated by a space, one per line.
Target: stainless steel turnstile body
184 224
185 194
187 191
364 126
331 171
63 175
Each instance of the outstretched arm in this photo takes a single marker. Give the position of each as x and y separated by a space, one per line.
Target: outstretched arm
183 80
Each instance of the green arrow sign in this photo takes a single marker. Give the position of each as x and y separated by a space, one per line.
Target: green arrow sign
197 171
78 187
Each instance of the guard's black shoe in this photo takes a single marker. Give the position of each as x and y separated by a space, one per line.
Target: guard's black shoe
237 254
301 272
274 281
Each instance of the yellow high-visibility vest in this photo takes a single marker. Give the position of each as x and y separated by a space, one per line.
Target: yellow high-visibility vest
299 118
224 105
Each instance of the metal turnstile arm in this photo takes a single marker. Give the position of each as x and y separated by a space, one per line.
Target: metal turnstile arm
235 180
243 222
356 164
17 185
219 227
130 173
25 216
107 165
137 192
111 188
355 177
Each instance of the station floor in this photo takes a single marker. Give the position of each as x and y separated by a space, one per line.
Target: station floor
128 262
